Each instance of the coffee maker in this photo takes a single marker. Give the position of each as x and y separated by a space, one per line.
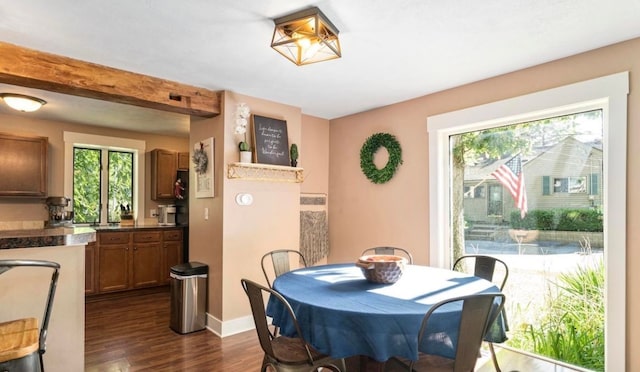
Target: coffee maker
58 213
166 215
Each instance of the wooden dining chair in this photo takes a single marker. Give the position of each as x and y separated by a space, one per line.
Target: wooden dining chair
282 353
280 262
22 344
390 251
479 311
489 268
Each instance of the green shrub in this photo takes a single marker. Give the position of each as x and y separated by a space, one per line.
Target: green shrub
536 219
580 220
558 219
571 326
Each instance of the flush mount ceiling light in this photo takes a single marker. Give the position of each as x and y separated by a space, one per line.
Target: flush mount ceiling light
306 37
22 102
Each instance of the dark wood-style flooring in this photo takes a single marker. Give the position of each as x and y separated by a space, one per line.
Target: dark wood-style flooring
132 334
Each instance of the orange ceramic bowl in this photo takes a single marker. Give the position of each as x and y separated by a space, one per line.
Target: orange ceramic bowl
382 268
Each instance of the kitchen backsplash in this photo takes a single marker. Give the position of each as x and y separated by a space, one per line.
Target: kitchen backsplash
21 225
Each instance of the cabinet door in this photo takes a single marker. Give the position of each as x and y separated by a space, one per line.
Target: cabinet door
90 274
171 256
183 161
23 161
146 265
113 263
164 168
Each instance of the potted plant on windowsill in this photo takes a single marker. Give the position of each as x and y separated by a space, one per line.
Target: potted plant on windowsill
242 113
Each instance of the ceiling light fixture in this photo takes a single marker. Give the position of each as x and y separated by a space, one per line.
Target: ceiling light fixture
306 37
22 102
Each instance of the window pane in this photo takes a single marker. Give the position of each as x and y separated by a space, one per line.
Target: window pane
86 185
544 219
120 183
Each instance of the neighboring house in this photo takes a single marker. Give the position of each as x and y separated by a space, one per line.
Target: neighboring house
566 175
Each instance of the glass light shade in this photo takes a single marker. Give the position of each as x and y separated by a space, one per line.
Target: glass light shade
22 102
306 37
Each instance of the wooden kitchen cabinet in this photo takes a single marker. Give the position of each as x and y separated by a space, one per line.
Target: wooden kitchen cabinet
146 259
164 168
138 258
171 252
183 161
90 270
113 261
24 166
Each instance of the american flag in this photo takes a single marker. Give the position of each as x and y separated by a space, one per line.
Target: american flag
511 177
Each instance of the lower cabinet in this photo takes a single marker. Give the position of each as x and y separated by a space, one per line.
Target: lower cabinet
90 269
171 253
134 259
145 258
113 261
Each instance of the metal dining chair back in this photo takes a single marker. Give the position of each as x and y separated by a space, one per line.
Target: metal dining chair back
281 262
390 251
479 311
485 267
26 355
280 352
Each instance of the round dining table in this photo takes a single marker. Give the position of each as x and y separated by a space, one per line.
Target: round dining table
342 314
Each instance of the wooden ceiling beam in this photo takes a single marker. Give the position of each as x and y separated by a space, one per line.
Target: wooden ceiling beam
34 69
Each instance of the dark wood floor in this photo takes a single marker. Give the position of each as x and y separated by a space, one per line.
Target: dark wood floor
132 334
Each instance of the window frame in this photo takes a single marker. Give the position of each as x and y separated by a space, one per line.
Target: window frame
137 147
608 93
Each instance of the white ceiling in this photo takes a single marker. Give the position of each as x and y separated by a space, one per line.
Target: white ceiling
392 50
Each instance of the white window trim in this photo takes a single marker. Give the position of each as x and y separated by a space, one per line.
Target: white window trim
610 94
138 147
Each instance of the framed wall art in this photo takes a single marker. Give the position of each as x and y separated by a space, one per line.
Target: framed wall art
270 140
203 164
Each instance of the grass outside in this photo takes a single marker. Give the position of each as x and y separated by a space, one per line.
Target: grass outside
531 278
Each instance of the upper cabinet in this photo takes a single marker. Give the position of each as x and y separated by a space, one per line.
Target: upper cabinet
164 167
183 161
23 161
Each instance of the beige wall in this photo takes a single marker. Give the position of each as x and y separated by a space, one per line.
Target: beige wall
314 155
235 237
365 214
23 125
205 235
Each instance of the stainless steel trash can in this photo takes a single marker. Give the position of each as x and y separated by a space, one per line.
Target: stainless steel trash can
188 297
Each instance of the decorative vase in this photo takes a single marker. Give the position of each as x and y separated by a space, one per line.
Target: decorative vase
245 156
294 163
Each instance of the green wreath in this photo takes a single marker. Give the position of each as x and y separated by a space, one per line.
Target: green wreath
371 145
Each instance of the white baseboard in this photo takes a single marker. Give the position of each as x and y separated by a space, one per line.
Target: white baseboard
230 327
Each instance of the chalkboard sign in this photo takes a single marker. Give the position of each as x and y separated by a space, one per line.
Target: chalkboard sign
270 140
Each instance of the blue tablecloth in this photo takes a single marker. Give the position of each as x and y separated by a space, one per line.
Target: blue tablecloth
341 314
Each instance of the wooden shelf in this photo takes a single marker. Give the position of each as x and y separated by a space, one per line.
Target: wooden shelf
264 172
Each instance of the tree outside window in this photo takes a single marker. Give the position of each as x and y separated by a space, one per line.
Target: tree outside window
91 186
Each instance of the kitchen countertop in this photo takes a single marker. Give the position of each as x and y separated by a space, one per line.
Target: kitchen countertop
55 236
133 228
47 237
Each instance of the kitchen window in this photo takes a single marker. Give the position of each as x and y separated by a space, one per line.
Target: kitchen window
89 181
102 175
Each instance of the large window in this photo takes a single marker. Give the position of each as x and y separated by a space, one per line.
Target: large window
90 182
102 175
607 93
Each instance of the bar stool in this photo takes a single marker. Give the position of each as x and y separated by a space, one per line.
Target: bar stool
22 343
